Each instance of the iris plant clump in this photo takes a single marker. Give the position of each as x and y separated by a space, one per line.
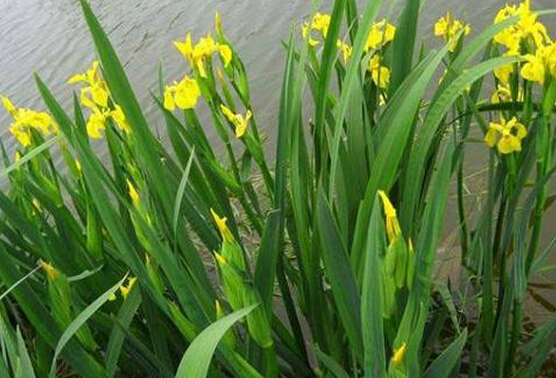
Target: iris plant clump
179 259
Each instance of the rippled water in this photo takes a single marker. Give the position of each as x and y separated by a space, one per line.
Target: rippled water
50 37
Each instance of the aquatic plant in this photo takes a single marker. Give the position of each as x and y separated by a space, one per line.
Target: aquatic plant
189 261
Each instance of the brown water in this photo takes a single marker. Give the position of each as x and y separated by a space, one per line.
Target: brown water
50 37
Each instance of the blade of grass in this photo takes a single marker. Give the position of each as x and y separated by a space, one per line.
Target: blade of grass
24 366
371 299
181 192
117 336
340 275
196 360
79 321
443 365
333 367
352 75
404 44
31 154
265 271
8 290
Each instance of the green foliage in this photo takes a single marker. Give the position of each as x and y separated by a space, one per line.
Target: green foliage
323 267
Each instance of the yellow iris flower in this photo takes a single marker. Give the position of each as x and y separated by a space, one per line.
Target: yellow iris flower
504 94
320 23
506 136
26 120
540 64
534 69
119 117
95 93
503 73
184 94
240 122
198 53
448 27
95 96
379 73
97 122
345 49
527 26
380 34
124 289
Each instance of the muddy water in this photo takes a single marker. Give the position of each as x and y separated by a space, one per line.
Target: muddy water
50 37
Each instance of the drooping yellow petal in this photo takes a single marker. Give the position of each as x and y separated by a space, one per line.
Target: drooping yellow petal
507 145
169 102
23 135
96 123
380 34
119 118
187 93
379 73
534 69
506 135
99 95
85 98
503 73
491 137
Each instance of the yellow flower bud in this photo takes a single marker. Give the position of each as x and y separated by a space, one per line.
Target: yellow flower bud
133 194
239 121
218 22
399 354
125 289
222 227
392 226
51 272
